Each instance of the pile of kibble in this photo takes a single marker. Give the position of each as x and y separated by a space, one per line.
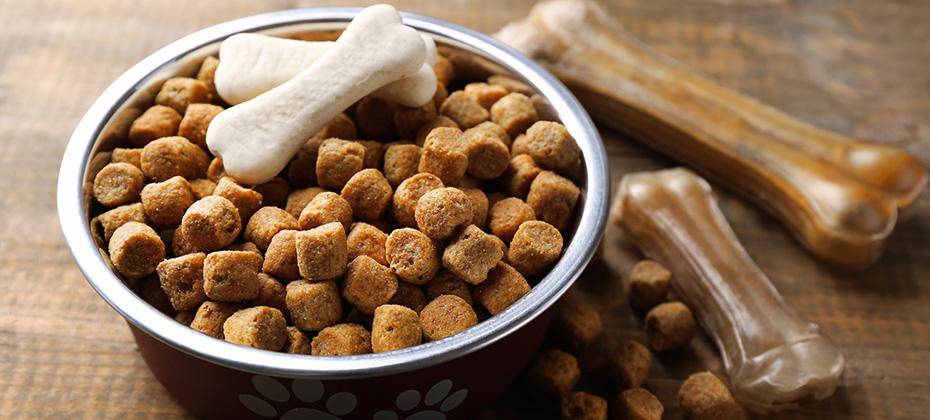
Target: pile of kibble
390 227
554 373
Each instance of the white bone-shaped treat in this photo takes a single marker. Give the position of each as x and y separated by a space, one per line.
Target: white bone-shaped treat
251 64
257 138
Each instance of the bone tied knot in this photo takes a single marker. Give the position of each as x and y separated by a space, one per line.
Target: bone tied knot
280 106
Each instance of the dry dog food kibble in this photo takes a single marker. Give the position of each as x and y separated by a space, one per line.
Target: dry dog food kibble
445 316
628 365
341 340
117 184
637 404
670 326
258 327
551 374
704 397
395 327
580 405
388 219
575 325
649 284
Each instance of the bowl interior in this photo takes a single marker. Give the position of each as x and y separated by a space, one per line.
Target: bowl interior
104 128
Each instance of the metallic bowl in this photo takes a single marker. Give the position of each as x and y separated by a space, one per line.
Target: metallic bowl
450 378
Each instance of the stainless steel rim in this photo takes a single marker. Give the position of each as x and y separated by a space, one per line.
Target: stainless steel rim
74 221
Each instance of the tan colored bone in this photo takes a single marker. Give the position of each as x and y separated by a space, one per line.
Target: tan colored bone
257 138
838 196
773 357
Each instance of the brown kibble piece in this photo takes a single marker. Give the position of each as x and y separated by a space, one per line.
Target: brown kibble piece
182 280
704 397
492 129
211 223
258 327
637 404
341 340
301 172
366 239
649 282
580 405
515 112
298 200
442 212
297 342
506 216
340 127
408 194
412 255
445 316
211 316
553 199
400 162
215 170
511 84
314 305
117 184
485 94
445 71
131 156
478 205
173 156
519 176
368 284
232 276
447 283
326 207
195 122
535 247
179 92
670 326
409 295
551 374
408 121
202 187
488 155
156 122
471 255
266 223
368 193
281 256
628 365
463 109
166 202
206 74
274 192
444 154
136 250
246 200
374 118
395 327
337 161
114 218
575 325
503 287
245 246
519 146
426 128
149 289
552 147
322 253
271 293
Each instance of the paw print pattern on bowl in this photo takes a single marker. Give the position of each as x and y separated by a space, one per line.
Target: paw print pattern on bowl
437 395
306 390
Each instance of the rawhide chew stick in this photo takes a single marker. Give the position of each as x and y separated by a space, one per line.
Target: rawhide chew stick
257 138
252 64
838 196
773 357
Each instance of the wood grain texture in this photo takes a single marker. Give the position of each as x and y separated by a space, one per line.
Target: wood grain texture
856 67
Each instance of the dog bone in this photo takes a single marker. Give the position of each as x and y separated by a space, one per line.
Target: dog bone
251 64
257 138
773 357
838 196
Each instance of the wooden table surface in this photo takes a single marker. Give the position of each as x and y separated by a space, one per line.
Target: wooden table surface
853 66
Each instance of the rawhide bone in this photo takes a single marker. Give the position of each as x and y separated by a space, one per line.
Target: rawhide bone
838 196
772 356
257 138
252 64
